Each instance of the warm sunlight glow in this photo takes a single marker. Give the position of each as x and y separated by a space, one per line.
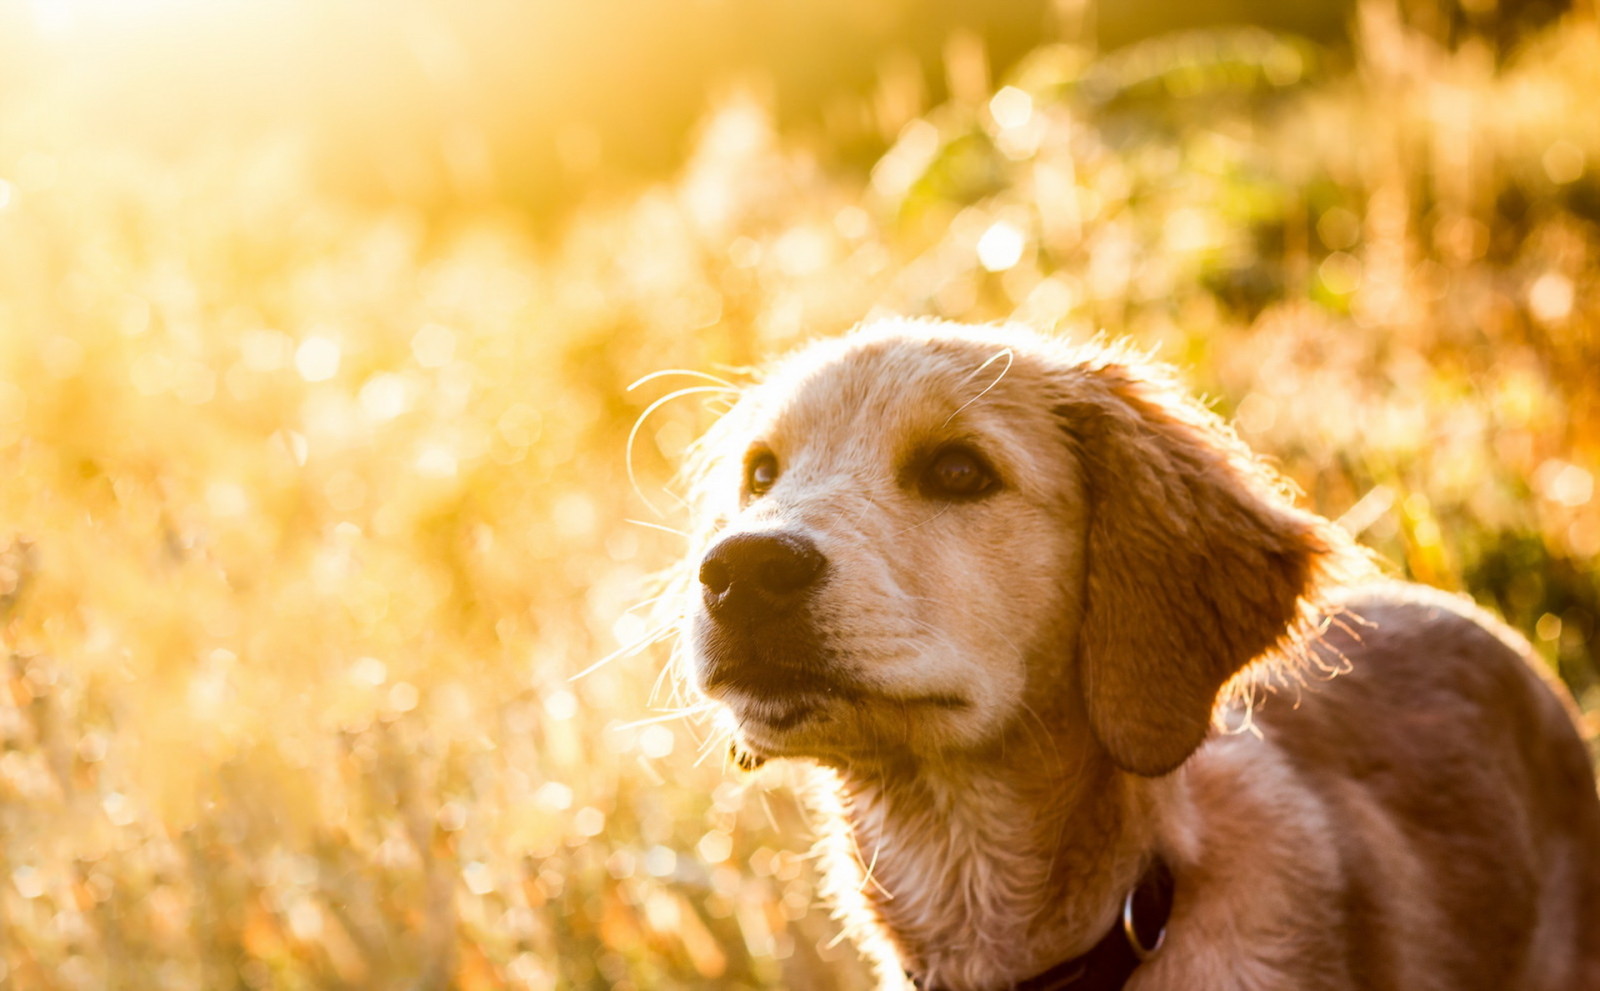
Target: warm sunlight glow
63 17
335 650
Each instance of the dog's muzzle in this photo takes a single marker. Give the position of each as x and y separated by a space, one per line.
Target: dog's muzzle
756 635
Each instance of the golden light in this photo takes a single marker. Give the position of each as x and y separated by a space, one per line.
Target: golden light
316 324
59 18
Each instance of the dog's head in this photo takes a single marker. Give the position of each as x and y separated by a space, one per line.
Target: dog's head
915 537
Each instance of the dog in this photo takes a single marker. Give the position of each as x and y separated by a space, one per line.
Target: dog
1097 706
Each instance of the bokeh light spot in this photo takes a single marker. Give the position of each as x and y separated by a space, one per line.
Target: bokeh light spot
1548 627
1001 246
317 358
452 817
589 821
227 499
660 861
553 796
403 697
1340 273
561 704
1011 107
369 671
714 847
1550 298
118 809
1564 483
656 742
1338 228
29 881
1563 162
435 461
479 879
385 396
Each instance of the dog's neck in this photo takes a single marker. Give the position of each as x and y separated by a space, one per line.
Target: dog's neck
985 870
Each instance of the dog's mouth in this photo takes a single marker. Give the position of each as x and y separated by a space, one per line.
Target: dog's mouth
775 715
777 701
792 694
772 680
771 727
835 729
784 662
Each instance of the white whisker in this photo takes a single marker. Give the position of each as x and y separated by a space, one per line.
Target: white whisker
1009 357
633 434
659 526
925 522
668 717
644 603
654 636
691 373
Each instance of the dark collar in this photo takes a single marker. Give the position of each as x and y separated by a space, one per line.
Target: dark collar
1109 963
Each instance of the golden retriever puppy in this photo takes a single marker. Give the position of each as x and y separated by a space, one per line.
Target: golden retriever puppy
1100 708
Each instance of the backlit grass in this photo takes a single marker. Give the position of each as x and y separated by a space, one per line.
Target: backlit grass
311 512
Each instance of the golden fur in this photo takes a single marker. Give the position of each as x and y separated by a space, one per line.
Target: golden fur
1018 697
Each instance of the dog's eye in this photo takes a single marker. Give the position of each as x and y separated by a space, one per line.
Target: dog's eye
957 473
761 473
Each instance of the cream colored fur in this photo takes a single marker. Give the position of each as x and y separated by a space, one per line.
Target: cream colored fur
1029 680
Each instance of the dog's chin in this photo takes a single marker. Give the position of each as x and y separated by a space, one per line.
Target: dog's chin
785 693
847 728
787 726
809 704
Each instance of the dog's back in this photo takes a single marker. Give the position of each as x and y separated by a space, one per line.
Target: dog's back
1476 826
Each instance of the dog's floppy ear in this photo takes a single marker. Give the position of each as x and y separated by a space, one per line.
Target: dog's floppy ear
1196 563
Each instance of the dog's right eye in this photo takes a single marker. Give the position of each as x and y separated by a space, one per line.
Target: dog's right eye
957 472
761 473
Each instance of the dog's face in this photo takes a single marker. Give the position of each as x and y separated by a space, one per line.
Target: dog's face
896 545
906 547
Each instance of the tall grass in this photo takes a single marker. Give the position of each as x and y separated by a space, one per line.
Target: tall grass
311 512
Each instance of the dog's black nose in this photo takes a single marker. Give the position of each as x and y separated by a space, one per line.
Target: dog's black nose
753 577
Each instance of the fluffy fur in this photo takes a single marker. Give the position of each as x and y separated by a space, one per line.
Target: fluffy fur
1018 698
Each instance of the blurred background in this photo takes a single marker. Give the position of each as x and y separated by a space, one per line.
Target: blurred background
317 322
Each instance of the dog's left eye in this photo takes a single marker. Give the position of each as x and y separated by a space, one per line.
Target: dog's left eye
957 473
761 473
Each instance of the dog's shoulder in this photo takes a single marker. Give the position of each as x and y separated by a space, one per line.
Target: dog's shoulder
1440 714
1448 740
1406 668
1404 650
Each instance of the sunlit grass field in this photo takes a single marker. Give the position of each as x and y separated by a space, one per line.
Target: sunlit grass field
311 512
